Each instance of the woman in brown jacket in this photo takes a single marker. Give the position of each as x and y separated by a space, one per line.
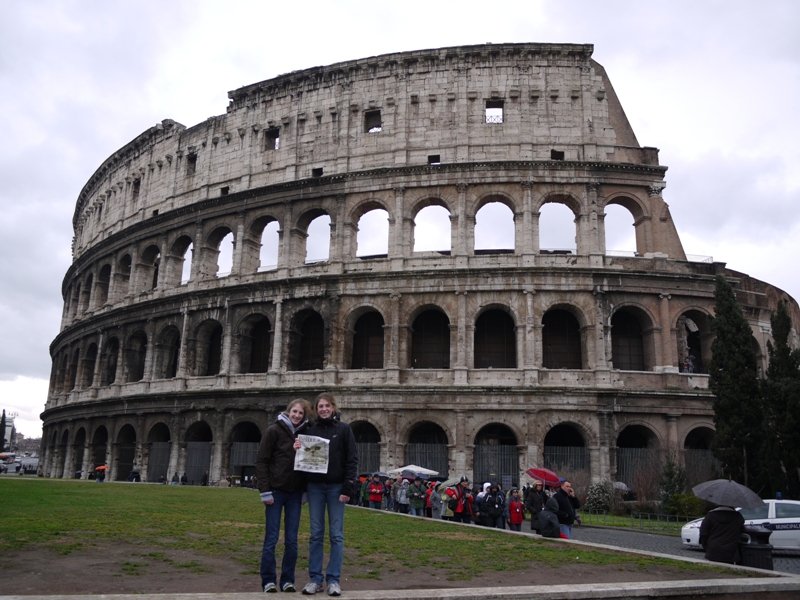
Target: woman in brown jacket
281 490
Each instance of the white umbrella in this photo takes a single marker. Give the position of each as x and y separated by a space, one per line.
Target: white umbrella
413 469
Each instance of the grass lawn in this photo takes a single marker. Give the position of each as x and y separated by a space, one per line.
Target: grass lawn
68 516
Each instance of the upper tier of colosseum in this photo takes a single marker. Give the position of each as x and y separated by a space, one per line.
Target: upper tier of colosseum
392 112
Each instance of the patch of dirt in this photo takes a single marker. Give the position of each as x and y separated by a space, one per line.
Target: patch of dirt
122 568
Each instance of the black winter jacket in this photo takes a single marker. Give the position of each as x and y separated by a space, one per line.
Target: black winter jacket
548 521
275 460
567 505
719 534
342 454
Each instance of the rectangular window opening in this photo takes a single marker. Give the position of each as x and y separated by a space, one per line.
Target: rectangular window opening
556 155
223 191
494 111
191 164
316 172
155 213
137 186
272 137
372 121
434 159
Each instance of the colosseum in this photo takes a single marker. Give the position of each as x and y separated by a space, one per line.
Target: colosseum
175 354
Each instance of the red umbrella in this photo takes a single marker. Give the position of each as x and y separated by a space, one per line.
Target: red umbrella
101 468
546 476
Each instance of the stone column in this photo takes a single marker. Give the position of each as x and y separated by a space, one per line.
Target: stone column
669 341
393 446
174 448
98 362
238 246
183 353
460 244
398 249
149 354
672 433
393 364
274 374
461 366
215 469
602 332
227 335
460 451
85 459
68 450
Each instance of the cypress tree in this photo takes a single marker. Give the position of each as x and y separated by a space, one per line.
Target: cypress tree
733 378
3 431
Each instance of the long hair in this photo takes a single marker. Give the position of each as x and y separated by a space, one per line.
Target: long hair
302 402
326 396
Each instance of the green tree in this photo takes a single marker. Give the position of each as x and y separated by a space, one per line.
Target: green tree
781 405
3 431
733 378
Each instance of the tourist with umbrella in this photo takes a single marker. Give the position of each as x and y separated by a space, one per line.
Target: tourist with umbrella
535 502
722 526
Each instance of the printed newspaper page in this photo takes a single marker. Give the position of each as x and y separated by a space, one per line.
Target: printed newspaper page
312 457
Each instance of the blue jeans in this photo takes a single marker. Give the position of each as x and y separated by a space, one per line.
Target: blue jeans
322 496
374 504
566 530
290 504
417 512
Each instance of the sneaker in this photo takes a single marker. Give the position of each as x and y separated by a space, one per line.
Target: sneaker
312 588
334 589
288 587
270 588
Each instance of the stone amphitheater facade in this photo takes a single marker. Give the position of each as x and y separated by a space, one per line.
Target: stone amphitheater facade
471 361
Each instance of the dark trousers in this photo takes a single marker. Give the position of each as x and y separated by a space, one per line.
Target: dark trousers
462 517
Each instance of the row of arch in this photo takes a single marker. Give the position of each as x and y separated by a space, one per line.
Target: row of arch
165 354
258 242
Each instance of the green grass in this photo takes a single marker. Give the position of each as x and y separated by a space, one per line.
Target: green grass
67 516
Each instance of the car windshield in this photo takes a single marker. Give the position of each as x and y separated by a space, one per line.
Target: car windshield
749 514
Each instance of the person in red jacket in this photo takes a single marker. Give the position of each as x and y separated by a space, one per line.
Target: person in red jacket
516 512
375 491
461 497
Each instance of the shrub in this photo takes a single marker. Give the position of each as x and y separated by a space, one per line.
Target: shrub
685 505
601 497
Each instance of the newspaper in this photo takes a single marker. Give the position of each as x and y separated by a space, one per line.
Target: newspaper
312 457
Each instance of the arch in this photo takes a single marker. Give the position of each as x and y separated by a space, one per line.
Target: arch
262 246
61 466
149 265
168 351
639 215
135 355
73 370
198 451
159 449
78 446
306 341
558 231
694 337
562 340
85 302
181 256
123 275
225 250
89 362
699 462
75 301
495 227
208 348
432 228
125 452
430 340
495 456
368 341
427 447
110 359
372 233
314 232
568 200
245 438
99 446
368 441
159 432
565 452
103 285
495 340
632 344
639 459
620 232
699 438
255 344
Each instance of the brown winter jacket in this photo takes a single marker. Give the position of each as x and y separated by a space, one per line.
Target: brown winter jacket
275 460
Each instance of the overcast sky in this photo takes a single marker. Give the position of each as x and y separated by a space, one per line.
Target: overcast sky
714 85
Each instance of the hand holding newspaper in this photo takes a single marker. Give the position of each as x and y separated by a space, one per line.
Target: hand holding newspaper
312 456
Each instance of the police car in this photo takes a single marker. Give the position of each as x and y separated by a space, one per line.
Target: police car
781 517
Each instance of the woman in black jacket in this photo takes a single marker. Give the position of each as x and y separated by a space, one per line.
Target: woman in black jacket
281 490
332 491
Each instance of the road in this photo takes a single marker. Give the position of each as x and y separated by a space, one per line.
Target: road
666 544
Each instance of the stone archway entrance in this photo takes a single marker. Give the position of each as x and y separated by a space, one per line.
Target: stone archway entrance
427 447
496 458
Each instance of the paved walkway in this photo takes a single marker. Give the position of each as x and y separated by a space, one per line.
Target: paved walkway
665 544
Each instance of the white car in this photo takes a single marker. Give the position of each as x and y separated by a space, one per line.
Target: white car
782 517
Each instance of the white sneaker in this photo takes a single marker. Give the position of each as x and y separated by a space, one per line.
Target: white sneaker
312 588
334 589
270 588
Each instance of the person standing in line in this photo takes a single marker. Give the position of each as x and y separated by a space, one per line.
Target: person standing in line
204 479
515 511
436 502
388 492
375 492
535 503
175 479
567 505
184 479
416 497
330 492
461 497
492 507
402 497
281 490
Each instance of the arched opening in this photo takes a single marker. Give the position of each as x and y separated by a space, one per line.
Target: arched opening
368 342
208 348
75 301
126 452
78 446
135 355
368 444
168 352
307 341
565 453
111 354
631 340
496 458
149 267
61 467
427 447
181 258
89 362
494 229
557 231
430 341
432 230
620 231
123 276
270 245
73 369
698 460
103 283
245 440
495 341
198 451
372 239
86 295
225 255
255 344
318 242
694 342
99 447
639 460
561 340
160 448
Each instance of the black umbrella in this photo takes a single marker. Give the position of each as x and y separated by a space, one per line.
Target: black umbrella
725 492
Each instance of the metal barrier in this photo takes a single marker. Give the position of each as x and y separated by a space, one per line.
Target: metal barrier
637 520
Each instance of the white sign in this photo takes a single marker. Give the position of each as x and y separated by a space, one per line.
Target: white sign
312 457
